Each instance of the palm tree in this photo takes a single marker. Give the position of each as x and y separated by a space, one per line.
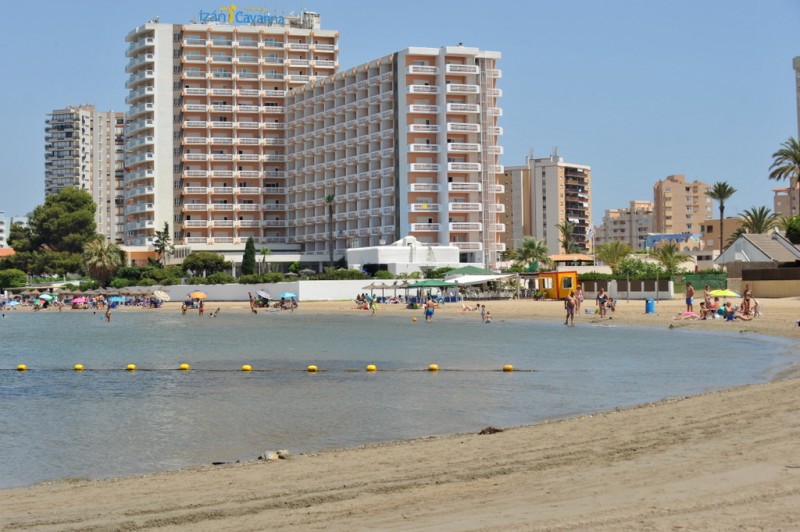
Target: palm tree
721 191
786 165
669 257
612 252
265 252
102 259
329 201
759 220
531 251
565 230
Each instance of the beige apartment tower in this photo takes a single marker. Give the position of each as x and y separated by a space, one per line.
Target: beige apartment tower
680 206
561 192
630 225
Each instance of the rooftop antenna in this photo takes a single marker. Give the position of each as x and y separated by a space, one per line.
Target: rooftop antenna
554 153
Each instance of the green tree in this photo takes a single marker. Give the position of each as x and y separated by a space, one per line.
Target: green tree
759 220
20 237
329 201
670 259
65 222
163 244
531 253
721 191
786 166
205 263
612 252
102 259
565 231
12 278
791 227
633 268
249 258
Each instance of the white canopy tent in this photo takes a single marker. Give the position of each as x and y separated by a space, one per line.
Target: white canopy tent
467 280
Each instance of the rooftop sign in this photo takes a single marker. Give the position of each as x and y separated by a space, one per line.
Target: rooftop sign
246 15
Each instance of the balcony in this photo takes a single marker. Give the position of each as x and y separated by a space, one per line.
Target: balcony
221 190
497 228
424 207
464 207
424 167
497 208
459 127
423 128
494 111
494 73
423 148
424 109
248 223
463 108
422 69
195 224
425 228
463 167
497 189
195 207
221 224
468 246
460 88
247 190
221 207
465 227
463 147
195 190
453 68
424 187
464 187
423 89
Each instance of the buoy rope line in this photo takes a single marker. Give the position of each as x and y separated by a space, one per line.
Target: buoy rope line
265 370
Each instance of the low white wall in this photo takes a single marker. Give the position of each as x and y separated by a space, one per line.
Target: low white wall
305 290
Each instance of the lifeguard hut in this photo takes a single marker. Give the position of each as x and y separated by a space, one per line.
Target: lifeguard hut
558 285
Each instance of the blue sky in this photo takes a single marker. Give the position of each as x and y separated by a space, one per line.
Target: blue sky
637 90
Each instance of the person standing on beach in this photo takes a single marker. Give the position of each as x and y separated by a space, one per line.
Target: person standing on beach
707 296
108 315
483 312
373 305
602 299
578 298
429 306
570 304
200 308
689 297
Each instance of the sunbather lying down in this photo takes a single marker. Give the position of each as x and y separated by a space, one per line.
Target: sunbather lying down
686 316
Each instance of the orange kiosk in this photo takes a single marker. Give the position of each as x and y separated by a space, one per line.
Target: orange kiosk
558 285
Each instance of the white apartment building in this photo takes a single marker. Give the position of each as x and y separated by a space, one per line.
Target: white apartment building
561 192
84 149
206 132
244 131
406 145
630 225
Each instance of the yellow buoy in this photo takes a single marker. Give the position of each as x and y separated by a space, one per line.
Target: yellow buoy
22 367
78 367
372 367
130 367
433 367
312 369
247 367
508 367
184 367
413 319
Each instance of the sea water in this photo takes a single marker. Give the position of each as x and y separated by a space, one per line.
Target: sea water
105 421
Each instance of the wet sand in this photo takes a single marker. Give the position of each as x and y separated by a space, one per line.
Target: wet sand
718 461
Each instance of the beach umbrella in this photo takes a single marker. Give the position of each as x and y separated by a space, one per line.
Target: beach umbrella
288 295
307 271
12 303
79 300
198 294
163 296
723 293
47 297
116 299
263 294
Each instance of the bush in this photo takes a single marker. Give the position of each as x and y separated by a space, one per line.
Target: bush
383 274
12 278
220 278
251 279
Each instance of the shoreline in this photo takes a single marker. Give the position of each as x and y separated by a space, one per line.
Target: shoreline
722 459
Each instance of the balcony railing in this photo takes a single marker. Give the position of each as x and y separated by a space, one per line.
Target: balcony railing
465 227
424 207
463 167
424 228
464 207
464 187
424 187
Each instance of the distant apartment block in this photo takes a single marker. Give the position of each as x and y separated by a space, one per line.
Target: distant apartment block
236 132
680 206
560 193
84 149
630 225
517 197
784 201
4 228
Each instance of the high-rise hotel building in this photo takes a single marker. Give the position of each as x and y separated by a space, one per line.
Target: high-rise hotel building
249 131
406 145
84 149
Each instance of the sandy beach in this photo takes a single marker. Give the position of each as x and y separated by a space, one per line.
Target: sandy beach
718 461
